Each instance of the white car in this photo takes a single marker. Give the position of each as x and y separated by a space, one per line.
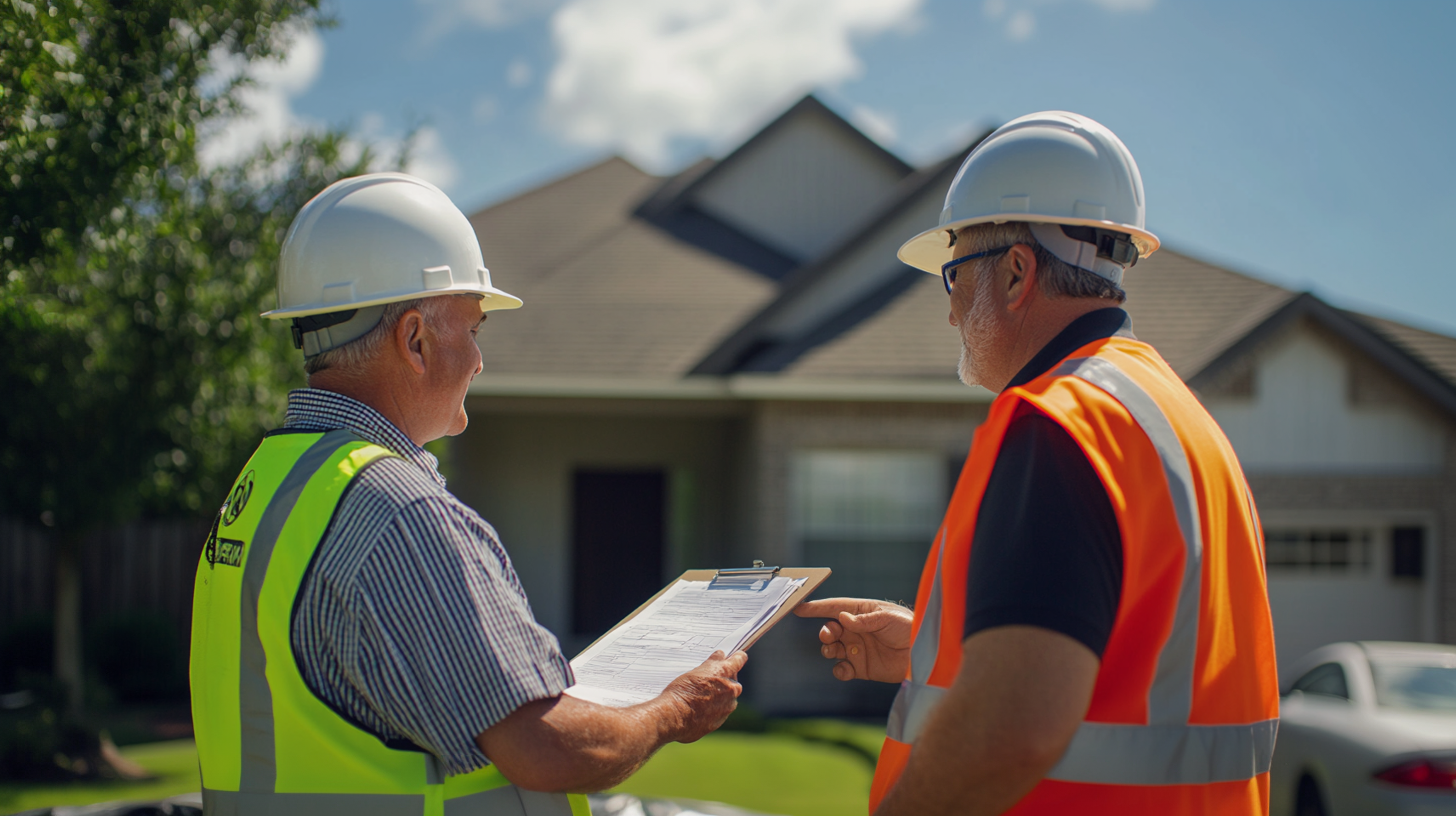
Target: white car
1367 728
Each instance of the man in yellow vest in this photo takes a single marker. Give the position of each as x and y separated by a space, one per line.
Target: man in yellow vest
1092 630
361 644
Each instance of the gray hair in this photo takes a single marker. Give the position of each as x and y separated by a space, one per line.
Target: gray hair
355 353
1058 278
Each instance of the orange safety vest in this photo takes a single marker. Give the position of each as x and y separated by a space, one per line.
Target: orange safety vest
1186 703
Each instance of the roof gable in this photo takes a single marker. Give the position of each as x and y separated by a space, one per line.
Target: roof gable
794 188
1349 327
847 285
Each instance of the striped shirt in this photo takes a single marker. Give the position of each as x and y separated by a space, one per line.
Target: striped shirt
411 621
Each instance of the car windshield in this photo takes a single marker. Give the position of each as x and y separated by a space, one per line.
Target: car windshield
1406 685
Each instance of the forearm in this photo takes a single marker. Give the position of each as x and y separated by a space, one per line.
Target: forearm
566 744
577 746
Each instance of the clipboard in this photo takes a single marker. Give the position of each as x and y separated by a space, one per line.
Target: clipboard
814 576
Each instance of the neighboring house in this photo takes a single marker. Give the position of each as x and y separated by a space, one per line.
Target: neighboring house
730 364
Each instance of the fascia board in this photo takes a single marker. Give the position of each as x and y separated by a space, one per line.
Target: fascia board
736 387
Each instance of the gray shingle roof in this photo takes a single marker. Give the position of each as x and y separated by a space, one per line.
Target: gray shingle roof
605 293
1189 310
1436 351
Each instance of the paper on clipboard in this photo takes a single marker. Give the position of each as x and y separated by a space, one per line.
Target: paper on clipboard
675 634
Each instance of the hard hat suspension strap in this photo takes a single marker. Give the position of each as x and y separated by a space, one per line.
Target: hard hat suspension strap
1102 252
1112 245
316 334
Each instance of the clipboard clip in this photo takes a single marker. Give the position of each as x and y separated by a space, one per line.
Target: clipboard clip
758 570
751 577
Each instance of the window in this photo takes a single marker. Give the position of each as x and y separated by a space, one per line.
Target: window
1429 688
1327 679
1330 550
871 516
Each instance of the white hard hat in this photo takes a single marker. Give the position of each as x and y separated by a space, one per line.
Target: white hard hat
368 241
1048 168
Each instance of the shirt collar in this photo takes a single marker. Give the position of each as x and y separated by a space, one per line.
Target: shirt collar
1088 328
328 410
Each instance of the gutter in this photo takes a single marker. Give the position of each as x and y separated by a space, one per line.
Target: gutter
730 388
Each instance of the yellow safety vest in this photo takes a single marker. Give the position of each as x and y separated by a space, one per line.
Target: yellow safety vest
267 745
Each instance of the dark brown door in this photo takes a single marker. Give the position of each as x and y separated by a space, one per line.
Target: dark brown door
617 538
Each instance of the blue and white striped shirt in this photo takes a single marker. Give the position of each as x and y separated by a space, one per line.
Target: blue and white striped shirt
412 621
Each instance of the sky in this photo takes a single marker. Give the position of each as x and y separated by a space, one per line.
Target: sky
1306 143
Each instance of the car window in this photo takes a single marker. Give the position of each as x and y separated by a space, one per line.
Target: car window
1327 679
1420 687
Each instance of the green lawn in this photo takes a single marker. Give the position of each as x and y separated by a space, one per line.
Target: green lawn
798 768
174 763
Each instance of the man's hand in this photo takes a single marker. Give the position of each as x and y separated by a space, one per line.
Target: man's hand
704 697
565 744
869 639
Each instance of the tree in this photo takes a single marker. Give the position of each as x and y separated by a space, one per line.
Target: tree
137 376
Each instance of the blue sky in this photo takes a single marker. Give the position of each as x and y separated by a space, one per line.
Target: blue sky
1306 143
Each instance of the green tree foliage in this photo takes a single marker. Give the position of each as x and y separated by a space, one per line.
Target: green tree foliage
141 374
137 375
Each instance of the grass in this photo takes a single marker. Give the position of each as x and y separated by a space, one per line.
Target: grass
174 763
794 768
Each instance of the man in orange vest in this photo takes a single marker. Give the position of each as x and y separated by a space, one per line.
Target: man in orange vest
1092 630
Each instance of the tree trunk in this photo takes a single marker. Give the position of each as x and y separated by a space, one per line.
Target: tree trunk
68 619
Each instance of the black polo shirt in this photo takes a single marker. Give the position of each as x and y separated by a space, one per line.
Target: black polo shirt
1047 551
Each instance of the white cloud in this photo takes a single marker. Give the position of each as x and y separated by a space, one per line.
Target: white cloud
875 124
637 74
1125 5
444 16
269 115
1021 25
519 73
428 158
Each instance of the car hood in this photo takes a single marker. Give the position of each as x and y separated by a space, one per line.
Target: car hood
1422 730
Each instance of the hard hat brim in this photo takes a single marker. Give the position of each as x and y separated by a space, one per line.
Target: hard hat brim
492 300
929 250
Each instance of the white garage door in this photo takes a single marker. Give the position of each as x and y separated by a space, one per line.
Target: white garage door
1332 582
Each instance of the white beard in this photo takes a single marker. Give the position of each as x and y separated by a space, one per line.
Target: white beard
976 332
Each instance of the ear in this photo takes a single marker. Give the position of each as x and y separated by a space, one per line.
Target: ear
409 340
1022 277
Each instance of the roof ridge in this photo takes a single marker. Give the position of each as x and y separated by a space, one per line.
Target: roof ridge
557 181
809 103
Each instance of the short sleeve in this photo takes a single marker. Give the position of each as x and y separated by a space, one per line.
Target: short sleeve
1046 551
427 633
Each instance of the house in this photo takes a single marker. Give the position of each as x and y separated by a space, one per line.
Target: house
729 363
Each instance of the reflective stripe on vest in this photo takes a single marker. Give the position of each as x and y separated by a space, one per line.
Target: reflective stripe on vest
266 743
1168 749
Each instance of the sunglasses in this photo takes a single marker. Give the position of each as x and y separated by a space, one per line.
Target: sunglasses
948 269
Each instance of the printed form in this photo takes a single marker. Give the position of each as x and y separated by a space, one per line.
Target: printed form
675 634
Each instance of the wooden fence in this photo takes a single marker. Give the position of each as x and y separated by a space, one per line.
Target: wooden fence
145 566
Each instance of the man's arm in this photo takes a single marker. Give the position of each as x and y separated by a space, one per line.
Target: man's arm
1021 693
566 744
